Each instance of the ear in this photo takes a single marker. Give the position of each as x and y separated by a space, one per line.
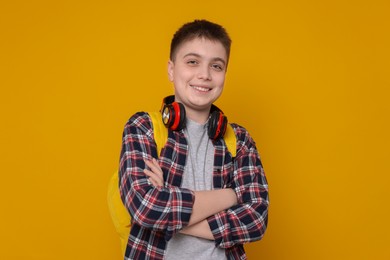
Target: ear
171 66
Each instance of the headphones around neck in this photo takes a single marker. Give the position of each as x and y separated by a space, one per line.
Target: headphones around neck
174 118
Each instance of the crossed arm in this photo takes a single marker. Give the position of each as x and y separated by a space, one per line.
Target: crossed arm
230 216
206 203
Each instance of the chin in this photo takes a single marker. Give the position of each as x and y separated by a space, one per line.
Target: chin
201 106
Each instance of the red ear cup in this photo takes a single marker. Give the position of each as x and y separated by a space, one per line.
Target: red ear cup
173 114
217 125
179 112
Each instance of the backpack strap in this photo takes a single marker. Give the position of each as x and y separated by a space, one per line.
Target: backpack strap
159 130
231 140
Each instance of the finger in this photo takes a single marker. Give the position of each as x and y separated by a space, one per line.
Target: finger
155 177
148 163
155 171
155 162
151 165
152 177
153 182
150 174
157 165
154 166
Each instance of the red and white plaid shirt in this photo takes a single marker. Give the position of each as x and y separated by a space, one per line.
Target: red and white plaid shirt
160 212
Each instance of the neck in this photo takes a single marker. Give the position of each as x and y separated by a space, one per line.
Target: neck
200 117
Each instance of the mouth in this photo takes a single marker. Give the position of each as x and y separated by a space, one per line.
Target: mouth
200 88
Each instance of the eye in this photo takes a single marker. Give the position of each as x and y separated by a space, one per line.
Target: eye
217 67
192 62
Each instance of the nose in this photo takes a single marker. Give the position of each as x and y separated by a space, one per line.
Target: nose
204 73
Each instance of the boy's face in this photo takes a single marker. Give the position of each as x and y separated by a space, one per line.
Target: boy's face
198 73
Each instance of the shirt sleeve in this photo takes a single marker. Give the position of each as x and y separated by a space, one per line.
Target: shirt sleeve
166 209
247 221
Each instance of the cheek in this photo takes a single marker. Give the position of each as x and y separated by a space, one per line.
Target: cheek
220 80
183 74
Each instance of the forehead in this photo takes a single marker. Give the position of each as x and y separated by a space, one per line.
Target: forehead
202 47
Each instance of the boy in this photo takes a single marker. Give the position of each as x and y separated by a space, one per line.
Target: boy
196 201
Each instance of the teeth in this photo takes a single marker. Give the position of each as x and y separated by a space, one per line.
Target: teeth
201 89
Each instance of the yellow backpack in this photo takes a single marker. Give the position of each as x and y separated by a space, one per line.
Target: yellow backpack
119 214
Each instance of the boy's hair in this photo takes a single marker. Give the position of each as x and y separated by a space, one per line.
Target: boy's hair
200 29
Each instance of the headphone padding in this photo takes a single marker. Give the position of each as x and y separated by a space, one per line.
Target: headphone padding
217 125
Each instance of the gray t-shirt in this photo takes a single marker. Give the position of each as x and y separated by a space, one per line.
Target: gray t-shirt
198 175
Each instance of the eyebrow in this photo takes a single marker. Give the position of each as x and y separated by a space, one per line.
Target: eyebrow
199 56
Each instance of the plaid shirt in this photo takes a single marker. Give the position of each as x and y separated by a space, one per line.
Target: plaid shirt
160 212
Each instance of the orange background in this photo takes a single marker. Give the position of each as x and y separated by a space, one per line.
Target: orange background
308 79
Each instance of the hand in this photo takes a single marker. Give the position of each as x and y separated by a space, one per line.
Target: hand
155 173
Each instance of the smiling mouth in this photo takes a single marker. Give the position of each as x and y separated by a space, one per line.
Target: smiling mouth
201 89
